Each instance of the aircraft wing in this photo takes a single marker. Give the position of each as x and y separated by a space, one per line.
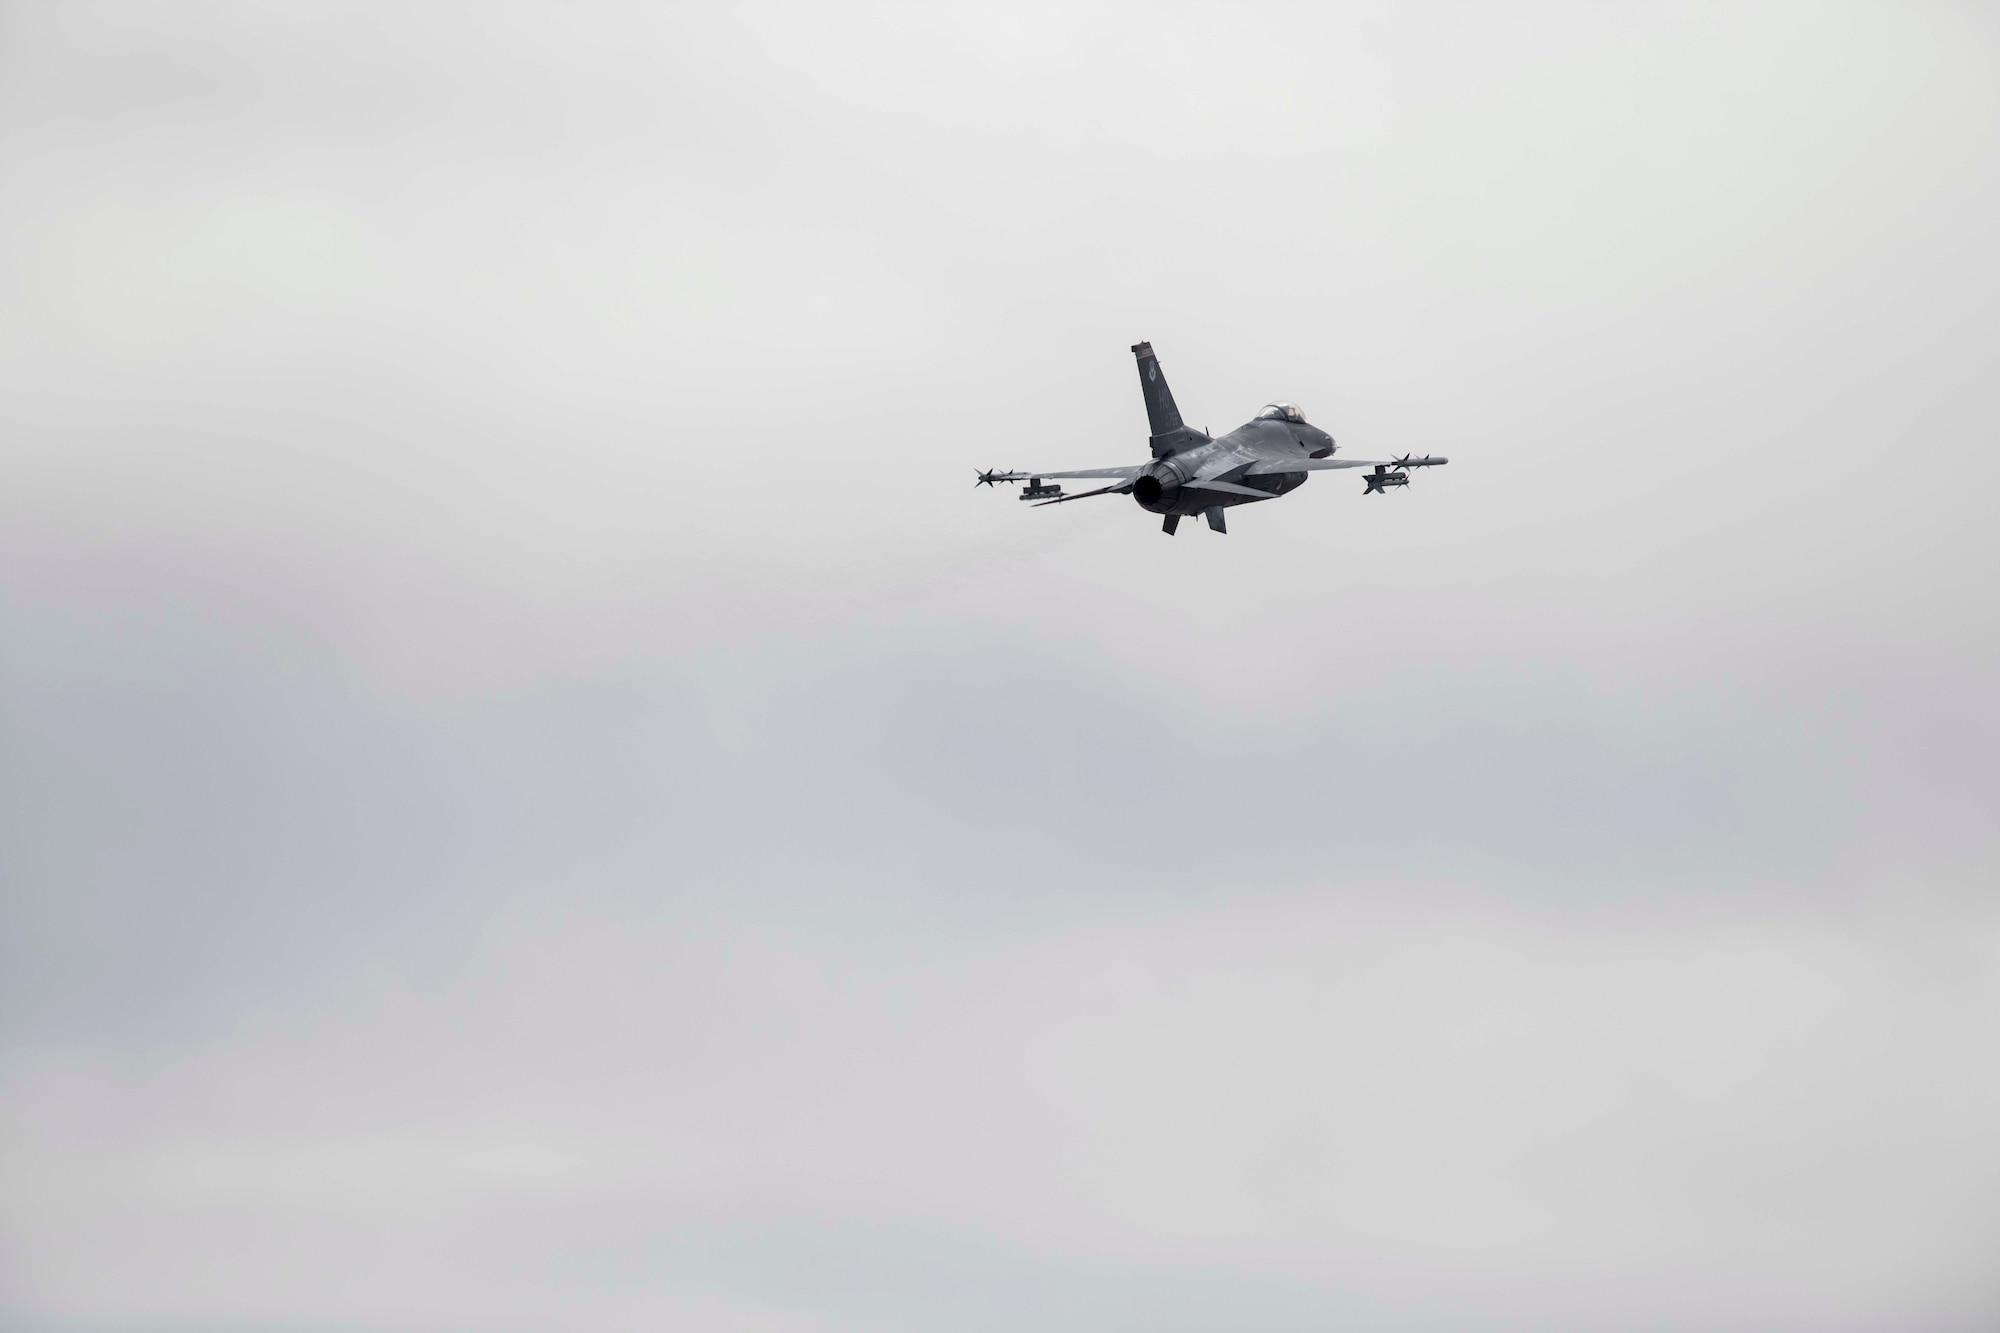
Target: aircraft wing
1123 473
1275 465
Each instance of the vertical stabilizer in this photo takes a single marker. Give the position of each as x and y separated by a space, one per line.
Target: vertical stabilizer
1162 416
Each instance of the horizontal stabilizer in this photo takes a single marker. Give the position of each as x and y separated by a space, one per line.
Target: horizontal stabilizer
1276 466
1232 488
1122 488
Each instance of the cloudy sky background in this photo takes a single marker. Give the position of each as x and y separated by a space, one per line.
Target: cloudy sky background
534 794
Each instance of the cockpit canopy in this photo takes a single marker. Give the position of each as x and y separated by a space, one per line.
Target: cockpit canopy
1282 412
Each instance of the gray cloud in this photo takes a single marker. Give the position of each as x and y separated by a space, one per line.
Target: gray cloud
532 790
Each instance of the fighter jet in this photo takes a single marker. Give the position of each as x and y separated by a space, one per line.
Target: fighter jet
1193 472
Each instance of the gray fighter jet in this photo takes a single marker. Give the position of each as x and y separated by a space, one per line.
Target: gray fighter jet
1193 472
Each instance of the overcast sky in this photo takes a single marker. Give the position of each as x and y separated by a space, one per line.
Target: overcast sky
534 794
